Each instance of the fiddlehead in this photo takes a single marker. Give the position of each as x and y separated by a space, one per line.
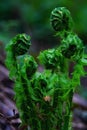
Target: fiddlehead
72 47
61 20
48 59
27 66
52 59
19 45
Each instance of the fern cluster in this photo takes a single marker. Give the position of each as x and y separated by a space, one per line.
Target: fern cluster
44 99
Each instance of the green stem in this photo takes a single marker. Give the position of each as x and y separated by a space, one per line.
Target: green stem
67 119
70 122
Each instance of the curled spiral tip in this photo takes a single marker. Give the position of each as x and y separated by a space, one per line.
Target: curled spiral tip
72 47
61 19
31 65
21 44
27 65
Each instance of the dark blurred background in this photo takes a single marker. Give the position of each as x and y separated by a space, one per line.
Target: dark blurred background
33 17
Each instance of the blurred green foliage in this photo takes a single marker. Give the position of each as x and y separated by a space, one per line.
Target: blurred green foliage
32 17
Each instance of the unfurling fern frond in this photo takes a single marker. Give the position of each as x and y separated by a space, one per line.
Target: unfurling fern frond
61 19
19 45
44 99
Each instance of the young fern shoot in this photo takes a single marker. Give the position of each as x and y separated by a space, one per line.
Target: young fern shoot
44 99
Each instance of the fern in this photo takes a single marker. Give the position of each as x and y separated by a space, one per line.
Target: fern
44 99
